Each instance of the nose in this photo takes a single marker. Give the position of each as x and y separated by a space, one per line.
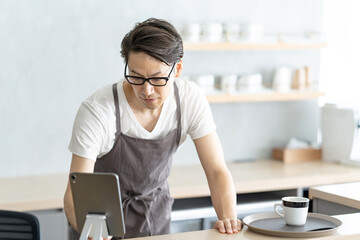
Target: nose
147 88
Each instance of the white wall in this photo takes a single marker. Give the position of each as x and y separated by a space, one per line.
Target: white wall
53 54
339 73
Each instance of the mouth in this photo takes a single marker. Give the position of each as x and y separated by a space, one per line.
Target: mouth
149 100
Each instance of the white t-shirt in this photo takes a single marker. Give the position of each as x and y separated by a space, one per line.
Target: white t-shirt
95 123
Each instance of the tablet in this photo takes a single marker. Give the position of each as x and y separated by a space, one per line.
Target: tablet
98 193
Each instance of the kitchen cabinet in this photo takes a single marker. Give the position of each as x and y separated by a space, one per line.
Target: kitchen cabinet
336 198
53 224
192 214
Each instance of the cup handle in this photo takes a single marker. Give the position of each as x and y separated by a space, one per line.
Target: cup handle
276 211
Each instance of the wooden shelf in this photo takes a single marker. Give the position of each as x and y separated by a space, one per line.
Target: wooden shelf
229 46
264 97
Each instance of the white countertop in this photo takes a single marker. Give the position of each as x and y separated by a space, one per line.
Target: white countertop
347 194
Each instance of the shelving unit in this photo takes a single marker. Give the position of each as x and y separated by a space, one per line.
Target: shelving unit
269 96
265 97
232 46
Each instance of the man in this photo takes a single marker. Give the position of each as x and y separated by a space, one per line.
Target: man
134 127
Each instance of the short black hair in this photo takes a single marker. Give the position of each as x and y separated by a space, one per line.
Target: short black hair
155 37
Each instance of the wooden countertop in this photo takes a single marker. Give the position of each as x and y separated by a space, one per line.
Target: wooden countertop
33 193
262 175
348 230
347 194
46 192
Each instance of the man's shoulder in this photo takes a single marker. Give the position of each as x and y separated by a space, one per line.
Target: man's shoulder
188 88
101 95
101 99
192 97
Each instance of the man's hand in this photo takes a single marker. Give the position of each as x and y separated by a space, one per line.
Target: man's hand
229 226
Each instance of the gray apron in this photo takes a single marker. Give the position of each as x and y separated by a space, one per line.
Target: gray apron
143 167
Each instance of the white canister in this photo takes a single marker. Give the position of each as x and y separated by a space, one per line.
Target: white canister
228 83
191 32
282 79
212 32
205 82
252 31
250 82
232 31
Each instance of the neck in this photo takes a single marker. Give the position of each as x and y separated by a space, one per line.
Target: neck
145 116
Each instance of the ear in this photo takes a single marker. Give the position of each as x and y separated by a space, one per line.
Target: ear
178 68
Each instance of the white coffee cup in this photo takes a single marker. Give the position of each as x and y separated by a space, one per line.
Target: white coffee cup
295 210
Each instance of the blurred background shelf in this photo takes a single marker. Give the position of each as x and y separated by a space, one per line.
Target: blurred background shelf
264 97
232 46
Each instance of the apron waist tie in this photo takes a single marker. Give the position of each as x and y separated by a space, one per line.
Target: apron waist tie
143 199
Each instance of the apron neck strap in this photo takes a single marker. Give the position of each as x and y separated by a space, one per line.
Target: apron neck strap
178 109
117 109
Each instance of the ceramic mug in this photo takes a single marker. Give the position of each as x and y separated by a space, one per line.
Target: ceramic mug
295 210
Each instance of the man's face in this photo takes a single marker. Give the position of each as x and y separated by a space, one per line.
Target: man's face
142 65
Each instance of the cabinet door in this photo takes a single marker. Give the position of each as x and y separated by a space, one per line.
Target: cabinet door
331 208
53 224
186 225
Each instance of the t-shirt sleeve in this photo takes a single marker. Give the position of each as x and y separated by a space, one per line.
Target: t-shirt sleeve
201 122
86 139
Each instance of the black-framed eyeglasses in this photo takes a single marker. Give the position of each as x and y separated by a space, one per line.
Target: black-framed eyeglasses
155 81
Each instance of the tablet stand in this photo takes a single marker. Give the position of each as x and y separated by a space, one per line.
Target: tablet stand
95 227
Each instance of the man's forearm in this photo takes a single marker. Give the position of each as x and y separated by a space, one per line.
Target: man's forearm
221 185
69 208
223 195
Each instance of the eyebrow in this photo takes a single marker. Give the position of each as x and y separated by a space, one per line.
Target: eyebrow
152 75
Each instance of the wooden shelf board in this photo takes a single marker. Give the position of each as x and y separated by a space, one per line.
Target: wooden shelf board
230 46
265 97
